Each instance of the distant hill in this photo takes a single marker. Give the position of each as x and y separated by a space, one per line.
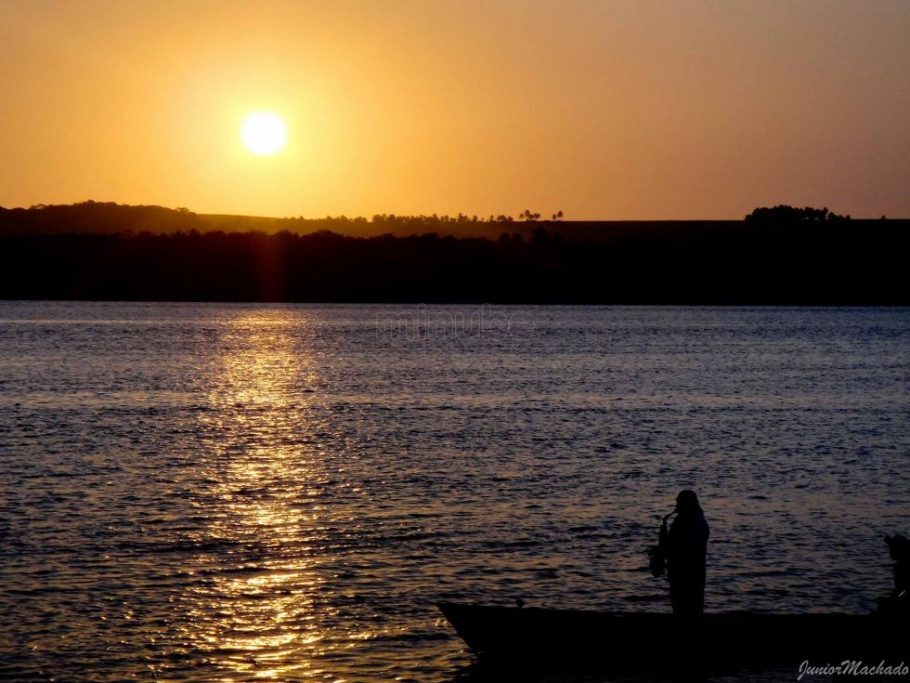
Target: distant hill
98 218
777 256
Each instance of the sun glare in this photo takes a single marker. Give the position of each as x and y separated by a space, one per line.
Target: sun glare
264 133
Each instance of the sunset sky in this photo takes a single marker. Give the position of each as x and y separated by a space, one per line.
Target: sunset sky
616 110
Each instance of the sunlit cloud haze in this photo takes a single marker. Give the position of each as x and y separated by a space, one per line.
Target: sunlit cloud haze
639 109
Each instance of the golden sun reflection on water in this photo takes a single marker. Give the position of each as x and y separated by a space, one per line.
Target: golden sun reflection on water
253 613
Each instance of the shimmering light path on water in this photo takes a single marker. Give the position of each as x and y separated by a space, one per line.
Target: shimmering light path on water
229 492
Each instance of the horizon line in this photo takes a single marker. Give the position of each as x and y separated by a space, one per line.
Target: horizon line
471 218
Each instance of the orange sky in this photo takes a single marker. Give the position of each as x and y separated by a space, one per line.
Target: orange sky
640 109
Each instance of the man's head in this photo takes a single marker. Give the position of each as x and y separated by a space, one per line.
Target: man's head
687 503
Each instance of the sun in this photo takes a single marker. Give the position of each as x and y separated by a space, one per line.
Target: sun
264 133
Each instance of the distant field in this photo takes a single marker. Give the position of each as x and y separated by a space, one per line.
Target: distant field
570 230
108 218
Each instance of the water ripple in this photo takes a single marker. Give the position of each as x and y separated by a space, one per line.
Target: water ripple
231 492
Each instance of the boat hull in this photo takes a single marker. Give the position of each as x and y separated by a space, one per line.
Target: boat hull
652 640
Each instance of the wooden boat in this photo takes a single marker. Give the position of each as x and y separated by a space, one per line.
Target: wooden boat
650 640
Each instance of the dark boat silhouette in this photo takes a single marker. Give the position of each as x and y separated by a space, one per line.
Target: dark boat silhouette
655 640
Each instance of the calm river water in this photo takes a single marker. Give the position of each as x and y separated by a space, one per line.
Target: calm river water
229 492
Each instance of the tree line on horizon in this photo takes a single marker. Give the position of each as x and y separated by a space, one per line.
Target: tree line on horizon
110 217
106 217
784 213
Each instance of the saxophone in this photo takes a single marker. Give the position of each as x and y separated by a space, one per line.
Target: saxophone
657 554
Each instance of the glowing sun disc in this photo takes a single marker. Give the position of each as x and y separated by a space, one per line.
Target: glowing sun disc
264 133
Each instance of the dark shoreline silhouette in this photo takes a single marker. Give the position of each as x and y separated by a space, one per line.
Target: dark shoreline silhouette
103 251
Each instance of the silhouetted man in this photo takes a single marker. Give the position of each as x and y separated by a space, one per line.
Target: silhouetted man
687 547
